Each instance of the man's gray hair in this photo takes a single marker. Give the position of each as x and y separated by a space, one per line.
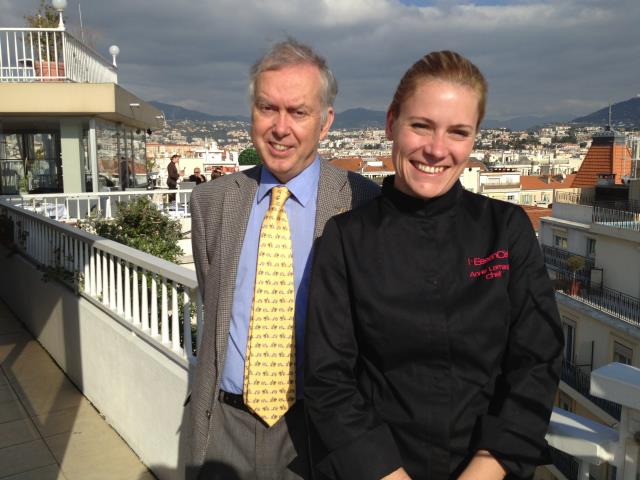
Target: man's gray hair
292 52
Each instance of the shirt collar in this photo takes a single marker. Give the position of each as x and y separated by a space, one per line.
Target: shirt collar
301 186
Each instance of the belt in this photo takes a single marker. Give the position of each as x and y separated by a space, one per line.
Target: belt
236 400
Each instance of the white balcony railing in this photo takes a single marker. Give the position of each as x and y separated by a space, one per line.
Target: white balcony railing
50 54
159 299
76 206
592 443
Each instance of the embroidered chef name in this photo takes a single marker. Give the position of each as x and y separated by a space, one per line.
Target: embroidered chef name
489 267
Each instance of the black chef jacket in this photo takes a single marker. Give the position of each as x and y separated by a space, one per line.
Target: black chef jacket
432 332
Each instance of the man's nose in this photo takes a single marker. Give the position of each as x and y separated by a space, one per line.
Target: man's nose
281 125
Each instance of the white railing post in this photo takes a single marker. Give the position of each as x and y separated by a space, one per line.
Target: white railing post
154 305
145 303
164 325
106 287
136 298
175 319
127 292
87 269
119 303
113 304
186 325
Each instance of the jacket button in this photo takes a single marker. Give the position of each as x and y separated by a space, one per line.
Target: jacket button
208 413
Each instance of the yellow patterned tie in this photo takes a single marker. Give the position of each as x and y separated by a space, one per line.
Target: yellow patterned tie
270 364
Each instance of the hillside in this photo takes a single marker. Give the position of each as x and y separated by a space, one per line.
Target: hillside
626 113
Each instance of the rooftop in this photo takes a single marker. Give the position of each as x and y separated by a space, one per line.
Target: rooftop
48 429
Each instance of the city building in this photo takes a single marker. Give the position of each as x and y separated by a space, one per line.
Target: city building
591 244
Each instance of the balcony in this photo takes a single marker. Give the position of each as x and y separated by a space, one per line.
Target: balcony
626 220
50 55
621 214
581 382
556 259
615 303
578 285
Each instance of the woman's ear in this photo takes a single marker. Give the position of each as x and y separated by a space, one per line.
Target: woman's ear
389 125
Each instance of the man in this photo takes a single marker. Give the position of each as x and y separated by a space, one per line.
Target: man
172 172
236 433
216 172
197 177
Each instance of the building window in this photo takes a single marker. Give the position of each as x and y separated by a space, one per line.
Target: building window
560 240
591 247
569 330
622 353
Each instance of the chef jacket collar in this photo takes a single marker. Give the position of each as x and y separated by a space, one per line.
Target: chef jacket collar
418 206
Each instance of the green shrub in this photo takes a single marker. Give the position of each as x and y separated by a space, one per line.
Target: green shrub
139 224
249 156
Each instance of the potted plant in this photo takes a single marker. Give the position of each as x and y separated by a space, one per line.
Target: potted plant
47 64
575 263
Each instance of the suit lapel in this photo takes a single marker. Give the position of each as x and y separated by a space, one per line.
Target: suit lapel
333 197
236 209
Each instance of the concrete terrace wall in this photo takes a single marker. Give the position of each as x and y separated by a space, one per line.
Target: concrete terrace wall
139 389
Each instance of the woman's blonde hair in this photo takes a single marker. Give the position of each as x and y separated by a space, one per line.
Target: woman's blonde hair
445 66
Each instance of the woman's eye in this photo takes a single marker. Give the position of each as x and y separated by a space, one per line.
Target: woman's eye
461 133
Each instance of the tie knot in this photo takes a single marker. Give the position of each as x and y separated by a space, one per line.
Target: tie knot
279 195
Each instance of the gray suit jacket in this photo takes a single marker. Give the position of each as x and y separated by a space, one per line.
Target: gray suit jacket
220 212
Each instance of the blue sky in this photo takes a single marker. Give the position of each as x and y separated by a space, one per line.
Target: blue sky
541 57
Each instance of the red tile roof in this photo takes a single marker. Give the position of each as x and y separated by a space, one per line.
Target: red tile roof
355 164
614 158
535 182
535 213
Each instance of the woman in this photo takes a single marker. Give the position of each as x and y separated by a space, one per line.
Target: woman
433 338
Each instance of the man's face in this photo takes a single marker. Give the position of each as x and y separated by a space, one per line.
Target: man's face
196 172
286 124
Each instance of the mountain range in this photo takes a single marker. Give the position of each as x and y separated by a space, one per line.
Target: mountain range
627 112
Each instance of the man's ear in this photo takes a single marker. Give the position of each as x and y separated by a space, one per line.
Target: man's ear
327 124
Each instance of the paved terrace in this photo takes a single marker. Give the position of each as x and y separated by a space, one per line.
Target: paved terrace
48 430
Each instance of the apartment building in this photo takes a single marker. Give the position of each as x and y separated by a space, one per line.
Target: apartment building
591 244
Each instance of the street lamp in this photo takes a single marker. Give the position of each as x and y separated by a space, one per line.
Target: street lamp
114 50
59 5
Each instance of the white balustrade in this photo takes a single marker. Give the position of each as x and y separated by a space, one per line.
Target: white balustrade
117 278
78 206
50 54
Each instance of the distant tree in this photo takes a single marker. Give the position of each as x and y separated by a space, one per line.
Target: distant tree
45 17
249 156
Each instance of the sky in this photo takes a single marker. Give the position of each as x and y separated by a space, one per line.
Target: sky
557 57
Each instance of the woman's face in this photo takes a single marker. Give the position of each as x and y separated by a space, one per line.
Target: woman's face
433 137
